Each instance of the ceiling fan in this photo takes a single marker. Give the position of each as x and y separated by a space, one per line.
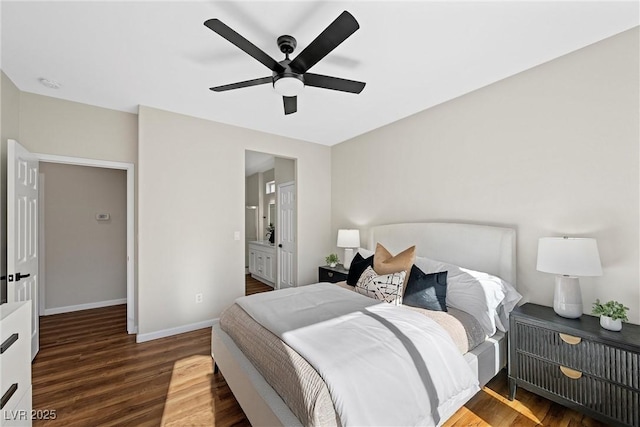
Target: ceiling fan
289 76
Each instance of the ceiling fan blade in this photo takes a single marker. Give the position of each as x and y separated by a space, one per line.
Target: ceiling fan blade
290 104
333 83
239 85
329 39
225 31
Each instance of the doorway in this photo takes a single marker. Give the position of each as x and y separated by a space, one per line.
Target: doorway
264 175
103 219
83 238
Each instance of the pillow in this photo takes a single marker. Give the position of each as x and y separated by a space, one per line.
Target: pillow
385 263
486 297
366 253
358 266
386 288
426 290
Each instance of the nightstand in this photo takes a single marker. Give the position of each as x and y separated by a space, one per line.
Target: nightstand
576 363
332 274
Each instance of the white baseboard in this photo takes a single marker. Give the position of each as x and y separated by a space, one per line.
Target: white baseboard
174 331
88 306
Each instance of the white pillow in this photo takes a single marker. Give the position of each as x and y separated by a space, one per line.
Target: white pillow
386 288
487 298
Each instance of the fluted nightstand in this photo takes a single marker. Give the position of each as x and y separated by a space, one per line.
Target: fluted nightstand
576 363
332 274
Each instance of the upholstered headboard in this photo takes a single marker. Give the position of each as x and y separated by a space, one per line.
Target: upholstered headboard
477 247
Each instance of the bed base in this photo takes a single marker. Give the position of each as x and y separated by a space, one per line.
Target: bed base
260 403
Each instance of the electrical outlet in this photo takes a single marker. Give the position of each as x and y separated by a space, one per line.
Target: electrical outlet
198 298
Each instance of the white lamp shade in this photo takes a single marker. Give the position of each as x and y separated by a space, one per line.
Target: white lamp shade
571 256
348 238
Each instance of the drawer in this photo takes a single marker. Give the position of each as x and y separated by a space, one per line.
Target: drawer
616 402
330 276
596 359
15 360
20 414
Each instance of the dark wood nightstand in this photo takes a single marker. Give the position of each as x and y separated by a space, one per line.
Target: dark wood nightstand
332 274
576 363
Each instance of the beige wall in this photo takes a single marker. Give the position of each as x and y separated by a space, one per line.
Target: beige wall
191 181
9 108
285 170
55 126
9 129
551 151
268 175
85 259
252 190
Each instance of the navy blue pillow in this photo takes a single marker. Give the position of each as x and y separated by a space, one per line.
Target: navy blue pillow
358 266
426 290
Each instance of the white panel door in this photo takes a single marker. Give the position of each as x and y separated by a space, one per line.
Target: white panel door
286 235
22 233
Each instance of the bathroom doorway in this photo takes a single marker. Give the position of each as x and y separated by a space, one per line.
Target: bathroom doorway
264 173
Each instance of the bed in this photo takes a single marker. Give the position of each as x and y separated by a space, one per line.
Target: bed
478 247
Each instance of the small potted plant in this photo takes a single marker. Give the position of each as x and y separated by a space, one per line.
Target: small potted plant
332 260
611 313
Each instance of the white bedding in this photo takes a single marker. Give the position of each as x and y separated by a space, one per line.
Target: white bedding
383 365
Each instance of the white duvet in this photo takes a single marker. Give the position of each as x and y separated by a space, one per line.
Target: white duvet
383 365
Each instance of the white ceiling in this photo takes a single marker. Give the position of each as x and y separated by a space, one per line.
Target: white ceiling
255 162
412 55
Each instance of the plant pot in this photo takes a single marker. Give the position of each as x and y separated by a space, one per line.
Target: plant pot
333 264
610 324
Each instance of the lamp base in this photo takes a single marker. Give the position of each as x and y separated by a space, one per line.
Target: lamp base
567 298
348 257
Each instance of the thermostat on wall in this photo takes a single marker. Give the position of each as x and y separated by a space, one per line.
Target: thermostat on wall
103 217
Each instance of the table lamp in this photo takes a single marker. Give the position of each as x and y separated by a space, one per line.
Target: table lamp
348 239
568 257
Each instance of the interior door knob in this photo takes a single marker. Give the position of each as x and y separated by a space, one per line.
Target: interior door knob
21 276
280 245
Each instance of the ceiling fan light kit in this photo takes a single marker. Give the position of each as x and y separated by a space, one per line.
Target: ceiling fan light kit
289 77
288 85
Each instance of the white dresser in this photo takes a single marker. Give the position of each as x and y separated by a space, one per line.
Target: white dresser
15 364
262 261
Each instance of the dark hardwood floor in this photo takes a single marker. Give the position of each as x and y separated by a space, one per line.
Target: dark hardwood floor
253 286
93 374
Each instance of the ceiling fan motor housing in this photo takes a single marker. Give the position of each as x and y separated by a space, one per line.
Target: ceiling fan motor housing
287 44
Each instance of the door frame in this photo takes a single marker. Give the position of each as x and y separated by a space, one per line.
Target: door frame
132 315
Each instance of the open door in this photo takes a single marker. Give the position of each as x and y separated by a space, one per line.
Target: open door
286 229
22 233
